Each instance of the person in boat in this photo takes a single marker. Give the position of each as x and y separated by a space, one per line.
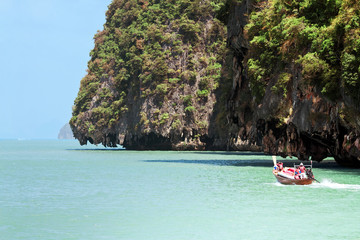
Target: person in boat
300 172
302 168
280 166
309 173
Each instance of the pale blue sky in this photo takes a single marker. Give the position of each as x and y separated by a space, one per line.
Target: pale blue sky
44 50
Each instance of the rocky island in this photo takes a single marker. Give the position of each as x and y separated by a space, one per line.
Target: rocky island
65 132
280 77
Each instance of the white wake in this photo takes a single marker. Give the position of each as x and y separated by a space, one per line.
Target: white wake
327 183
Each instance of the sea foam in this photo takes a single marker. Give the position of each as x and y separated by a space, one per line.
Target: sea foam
327 183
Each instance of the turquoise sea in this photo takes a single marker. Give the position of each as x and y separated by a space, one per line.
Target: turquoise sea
60 190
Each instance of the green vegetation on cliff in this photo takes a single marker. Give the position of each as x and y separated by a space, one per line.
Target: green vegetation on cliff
162 76
151 53
321 37
303 65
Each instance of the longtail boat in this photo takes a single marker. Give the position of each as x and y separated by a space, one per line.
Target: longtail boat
292 176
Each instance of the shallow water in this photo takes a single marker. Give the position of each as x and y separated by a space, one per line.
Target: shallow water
59 190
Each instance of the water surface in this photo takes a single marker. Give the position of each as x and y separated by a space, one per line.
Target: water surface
59 190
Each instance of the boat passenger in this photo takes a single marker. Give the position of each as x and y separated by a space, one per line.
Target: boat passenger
301 171
280 166
302 168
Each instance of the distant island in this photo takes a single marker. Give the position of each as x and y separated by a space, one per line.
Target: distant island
65 132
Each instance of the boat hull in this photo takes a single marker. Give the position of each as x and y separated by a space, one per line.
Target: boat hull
289 181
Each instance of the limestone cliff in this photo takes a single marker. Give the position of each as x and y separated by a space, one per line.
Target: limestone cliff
153 75
295 59
273 76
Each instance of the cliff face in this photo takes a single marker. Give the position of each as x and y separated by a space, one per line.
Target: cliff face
282 78
153 75
300 64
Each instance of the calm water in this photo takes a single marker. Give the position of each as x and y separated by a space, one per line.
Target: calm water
59 190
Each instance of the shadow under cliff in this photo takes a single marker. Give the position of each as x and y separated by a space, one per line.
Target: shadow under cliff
245 159
97 149
247 162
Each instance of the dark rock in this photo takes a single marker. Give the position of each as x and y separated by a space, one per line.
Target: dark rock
304 124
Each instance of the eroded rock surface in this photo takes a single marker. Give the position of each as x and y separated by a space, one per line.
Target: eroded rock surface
202 98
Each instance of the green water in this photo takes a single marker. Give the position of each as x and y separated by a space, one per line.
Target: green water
59 190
